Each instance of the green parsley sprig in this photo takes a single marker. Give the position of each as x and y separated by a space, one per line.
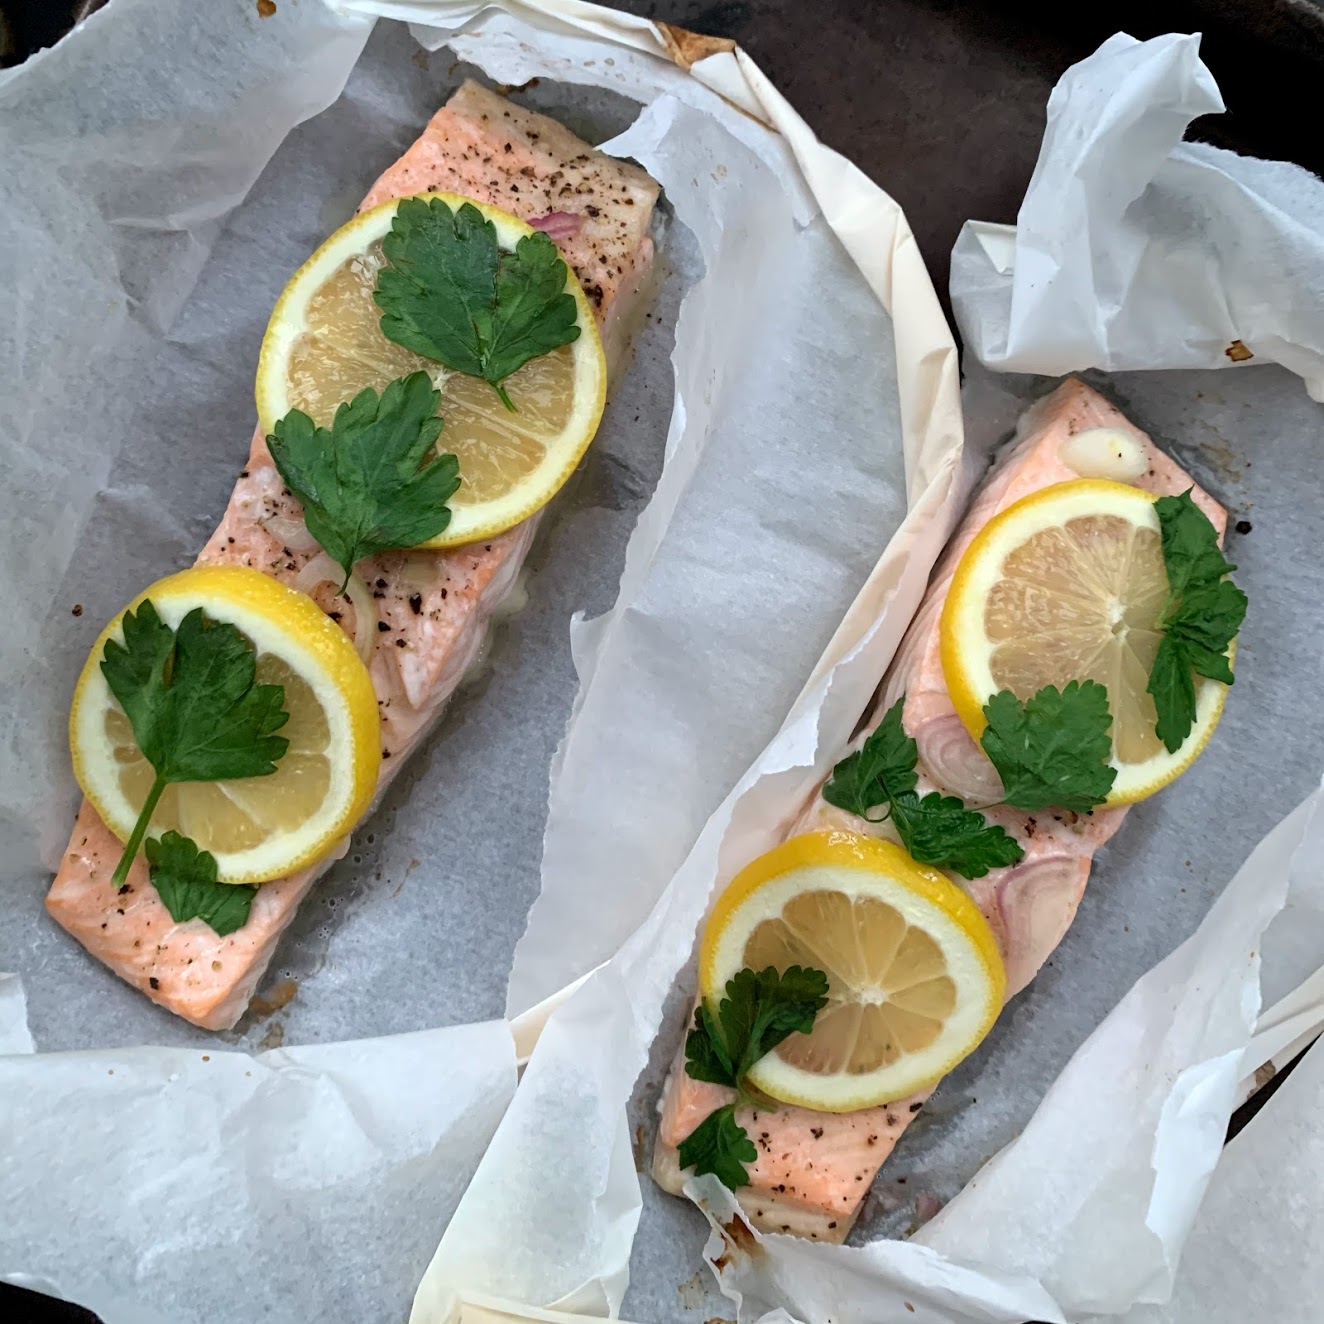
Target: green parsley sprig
185 879
1052 751
1203 613
935 829
372 482
450 294
760 1009
192 699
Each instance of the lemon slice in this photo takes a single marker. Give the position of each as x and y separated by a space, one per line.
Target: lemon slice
258 828
915 978
1068 584
324 344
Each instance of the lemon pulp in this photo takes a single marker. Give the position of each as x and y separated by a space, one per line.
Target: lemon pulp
324 344
258 828
1081 601
915 978
1069 583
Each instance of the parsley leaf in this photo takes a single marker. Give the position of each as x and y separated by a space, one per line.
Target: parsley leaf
705 1051
450 294
369 484
1053 750
1203 613
185 879
881 769
935 829
190 696
1191 554
192 699
136 670
720 1145
760 1009
939 830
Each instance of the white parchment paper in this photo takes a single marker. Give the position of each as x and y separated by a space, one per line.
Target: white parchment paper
153 1183
751 496
1133 249
1250 1253
1110 1124
183 279
15 1037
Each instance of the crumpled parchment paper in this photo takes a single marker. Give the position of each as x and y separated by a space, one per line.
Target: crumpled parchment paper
1250 1252
157 1184
1134 249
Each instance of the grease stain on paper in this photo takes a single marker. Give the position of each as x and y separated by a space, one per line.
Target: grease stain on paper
692 1291
278 999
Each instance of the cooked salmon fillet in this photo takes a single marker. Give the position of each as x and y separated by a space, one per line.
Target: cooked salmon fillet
432 607
814 1169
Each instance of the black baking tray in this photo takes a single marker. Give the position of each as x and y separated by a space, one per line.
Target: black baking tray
942 102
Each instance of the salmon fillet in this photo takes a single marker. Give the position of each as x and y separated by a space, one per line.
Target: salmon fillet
432 607
814 1169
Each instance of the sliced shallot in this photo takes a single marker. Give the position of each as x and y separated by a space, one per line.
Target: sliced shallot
958 765
558 224
292 533
1030 907
323 570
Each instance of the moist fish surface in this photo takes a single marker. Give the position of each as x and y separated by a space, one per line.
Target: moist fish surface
431 608
814 1169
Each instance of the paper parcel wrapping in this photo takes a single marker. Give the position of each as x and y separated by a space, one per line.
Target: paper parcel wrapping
1092 1201
1228 1277
173 1184
1110 1106
1166 250
138 151
1134 249
154 1184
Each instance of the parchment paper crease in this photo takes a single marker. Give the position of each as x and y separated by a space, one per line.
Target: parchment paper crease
153 1183
1133 249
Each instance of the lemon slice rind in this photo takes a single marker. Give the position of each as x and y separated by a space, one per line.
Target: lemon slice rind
279 621
865 868
562 451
